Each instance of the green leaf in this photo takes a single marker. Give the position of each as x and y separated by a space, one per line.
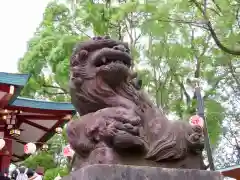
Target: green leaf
52 173
214 117
42 159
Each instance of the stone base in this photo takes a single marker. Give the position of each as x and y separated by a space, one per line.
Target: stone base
120 172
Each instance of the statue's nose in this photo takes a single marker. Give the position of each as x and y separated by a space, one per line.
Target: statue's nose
121 47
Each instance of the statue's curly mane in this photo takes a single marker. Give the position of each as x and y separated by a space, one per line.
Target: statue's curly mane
89 93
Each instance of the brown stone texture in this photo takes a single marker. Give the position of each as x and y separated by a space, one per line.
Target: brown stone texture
121 172
119 123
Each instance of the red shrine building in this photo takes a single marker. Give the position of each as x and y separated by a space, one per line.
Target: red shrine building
24 120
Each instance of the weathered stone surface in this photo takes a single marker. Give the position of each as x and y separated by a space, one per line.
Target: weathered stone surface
122 172
119 123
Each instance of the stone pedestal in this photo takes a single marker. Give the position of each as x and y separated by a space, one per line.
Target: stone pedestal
120 172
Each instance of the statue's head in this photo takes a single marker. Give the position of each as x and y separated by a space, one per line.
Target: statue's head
100 69
104 58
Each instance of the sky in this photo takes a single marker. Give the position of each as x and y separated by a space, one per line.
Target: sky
19 20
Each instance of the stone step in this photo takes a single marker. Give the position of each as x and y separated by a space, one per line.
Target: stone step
121 172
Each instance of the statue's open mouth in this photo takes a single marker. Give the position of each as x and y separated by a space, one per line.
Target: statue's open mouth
107 56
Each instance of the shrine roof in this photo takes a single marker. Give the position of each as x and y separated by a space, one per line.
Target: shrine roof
36 119
14 79
39 104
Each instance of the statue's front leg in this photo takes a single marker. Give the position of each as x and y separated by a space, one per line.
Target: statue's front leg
122 129
128 137
99 137
77 136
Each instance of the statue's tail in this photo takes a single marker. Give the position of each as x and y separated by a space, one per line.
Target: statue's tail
167 148
176 143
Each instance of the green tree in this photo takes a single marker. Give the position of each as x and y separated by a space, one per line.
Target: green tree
52 173
51 160
47 58
42 159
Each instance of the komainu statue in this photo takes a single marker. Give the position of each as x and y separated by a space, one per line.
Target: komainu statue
119 124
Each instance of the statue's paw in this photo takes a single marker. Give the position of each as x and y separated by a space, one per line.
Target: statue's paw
124 140
195 139
128 128
131 119
135 120
128 118
131 129
108 132
197 129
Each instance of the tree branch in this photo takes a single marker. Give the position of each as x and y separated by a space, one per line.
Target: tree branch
213 33
233 74
233 135
55 87
51 93
198 63
198 58
237 17
181 86
208 93
217 6
163 85
212 9
180 21
228 140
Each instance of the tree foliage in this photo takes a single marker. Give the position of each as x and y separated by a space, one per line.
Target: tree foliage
52 173
171 42
42 159
52 160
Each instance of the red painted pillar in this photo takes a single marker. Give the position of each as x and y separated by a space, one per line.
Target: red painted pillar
6 155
